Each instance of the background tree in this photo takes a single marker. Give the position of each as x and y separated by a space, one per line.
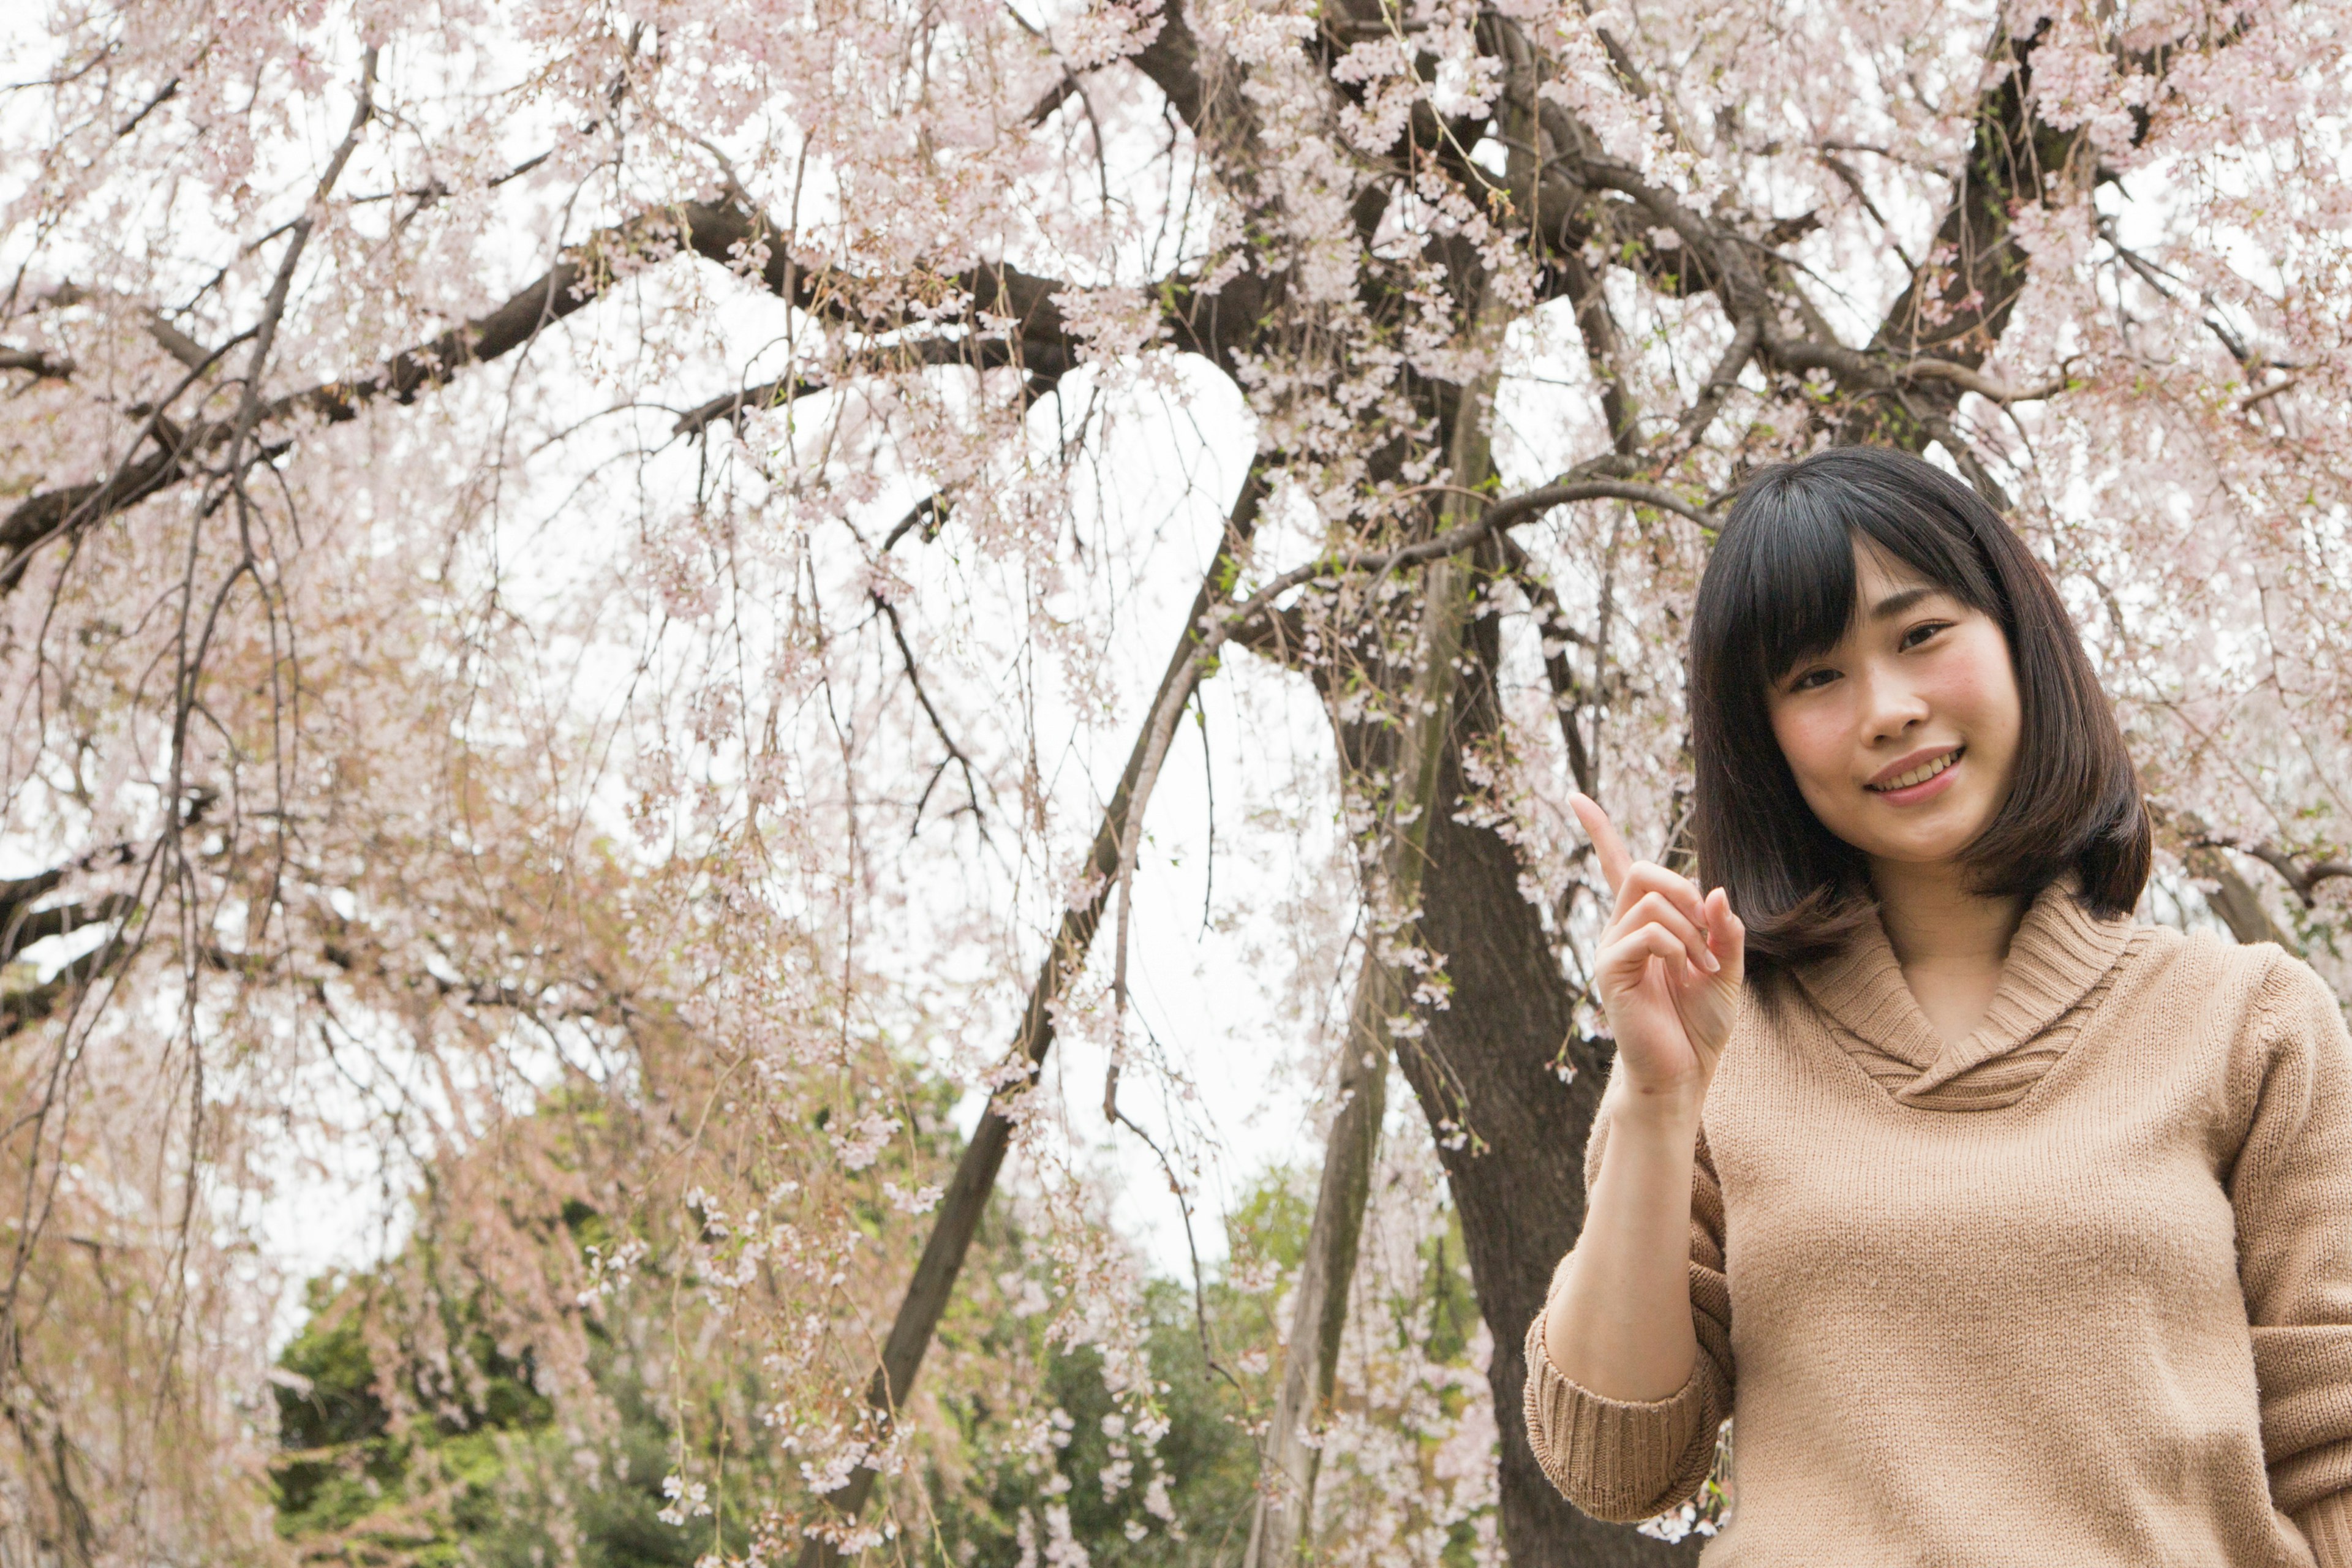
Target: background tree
604 564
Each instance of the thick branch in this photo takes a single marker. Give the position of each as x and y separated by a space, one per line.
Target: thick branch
23 1009
1279 636
725 232
732 405
1903 386
1951 314
40 365
2304 876
26 927
1172 62
1955 309
2233 898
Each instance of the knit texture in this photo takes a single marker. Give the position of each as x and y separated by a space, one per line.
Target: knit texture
2075 1289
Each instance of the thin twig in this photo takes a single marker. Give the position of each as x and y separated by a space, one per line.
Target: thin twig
1567 692
1183 1207
938 725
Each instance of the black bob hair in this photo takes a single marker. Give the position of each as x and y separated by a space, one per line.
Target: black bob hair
1780 587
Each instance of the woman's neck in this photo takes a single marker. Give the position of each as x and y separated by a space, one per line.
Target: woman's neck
1949 940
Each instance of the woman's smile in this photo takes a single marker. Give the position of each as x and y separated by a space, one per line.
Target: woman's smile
1922 776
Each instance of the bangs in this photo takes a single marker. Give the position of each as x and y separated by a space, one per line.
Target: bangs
1791 589
1793 596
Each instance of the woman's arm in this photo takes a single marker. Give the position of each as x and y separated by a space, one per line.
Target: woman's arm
1619 1322
1621 1313
1616 1416
1669 971
1625 1459
2291 1186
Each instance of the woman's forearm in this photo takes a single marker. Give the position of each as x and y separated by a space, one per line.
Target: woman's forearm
1620 1322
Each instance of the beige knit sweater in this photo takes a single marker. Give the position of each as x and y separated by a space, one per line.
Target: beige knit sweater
2077 1291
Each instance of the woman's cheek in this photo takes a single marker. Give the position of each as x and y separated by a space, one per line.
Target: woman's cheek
1977 689
1814 741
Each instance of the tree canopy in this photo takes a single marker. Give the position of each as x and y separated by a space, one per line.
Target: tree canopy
608 617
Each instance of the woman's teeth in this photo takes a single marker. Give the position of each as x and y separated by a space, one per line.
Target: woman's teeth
1921 773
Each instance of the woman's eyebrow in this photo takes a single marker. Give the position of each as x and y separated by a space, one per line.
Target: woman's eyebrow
1895 604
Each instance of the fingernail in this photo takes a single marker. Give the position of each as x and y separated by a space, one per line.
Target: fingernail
1714 965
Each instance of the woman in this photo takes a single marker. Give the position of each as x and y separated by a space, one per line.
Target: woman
2013 1233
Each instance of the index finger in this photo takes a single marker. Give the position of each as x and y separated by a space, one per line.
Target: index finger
1615 859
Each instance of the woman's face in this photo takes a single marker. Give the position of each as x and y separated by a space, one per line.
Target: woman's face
1903 737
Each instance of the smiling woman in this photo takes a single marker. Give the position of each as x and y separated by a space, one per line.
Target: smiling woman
1883 619
2006 1230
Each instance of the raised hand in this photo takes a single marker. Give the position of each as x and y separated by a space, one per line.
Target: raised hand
1669 969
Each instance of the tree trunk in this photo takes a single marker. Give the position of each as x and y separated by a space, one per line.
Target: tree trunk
1487 1072
1285 1503
1510 1133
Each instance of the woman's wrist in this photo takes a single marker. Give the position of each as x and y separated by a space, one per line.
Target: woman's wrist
1672 1108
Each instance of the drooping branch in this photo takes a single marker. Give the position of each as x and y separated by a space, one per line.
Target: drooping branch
974 1180
889 613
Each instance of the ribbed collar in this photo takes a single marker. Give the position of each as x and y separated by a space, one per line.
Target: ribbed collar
2061 951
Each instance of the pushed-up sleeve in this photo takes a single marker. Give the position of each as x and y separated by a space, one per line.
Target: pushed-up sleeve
2291 1185
1623 1460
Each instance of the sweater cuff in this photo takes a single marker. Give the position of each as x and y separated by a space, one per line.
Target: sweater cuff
1616 1459
2327 1525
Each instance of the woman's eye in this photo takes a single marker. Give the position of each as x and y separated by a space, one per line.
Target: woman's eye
1812 680
1922 632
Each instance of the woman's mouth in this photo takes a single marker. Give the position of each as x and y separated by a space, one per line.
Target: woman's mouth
1920 780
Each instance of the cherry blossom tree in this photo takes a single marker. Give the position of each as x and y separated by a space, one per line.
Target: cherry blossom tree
576 582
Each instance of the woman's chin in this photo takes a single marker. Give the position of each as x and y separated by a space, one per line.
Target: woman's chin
1920 851
1934 833
1925 845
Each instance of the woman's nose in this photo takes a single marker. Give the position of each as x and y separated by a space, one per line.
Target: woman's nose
1891 707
